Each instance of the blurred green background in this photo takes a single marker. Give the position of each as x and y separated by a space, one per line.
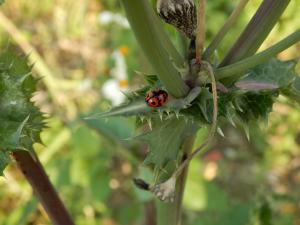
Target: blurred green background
86 53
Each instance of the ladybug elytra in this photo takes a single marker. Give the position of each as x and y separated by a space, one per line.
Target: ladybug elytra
156 98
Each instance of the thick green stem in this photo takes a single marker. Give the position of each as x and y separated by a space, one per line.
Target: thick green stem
170 213
165 213
181 181
224 30
156 45
234 71
256 31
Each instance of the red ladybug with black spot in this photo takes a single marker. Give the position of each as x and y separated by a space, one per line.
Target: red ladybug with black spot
156 98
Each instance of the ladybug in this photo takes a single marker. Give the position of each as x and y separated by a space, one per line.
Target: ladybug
156 98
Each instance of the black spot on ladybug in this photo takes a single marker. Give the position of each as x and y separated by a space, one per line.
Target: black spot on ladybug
156 98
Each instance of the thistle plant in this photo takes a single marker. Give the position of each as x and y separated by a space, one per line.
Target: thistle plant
21 125
200 91
242 88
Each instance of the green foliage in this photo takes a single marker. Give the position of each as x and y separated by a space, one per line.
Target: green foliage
82 164
165 140
1 2
251 99
253 107
21 121
274 74
293 91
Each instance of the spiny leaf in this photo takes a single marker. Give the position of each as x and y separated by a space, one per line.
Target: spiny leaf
166 139
21 121
138 107
152 80
18 134
274 74
293 91
204 98
253 106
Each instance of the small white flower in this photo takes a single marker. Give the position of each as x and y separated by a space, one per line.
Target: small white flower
107 17
114 88
112 91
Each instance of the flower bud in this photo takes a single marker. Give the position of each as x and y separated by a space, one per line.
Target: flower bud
182 14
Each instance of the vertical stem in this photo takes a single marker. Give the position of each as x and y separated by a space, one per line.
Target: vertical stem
165 213
224 30
150 213
181 181
200 32
153 40
44 190
256 31
170 213
235 70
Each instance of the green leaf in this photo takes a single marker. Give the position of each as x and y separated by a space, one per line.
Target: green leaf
21 121
4 161
204 98
137 106
131 108
166 139
293 91
18 134
296 85
254 106
116 128
274 74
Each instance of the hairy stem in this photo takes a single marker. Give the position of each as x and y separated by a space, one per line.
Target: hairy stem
235 70
200 32
224 30
153 40
256 31
42 187
213 128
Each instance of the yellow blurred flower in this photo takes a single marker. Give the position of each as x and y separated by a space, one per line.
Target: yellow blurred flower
124 50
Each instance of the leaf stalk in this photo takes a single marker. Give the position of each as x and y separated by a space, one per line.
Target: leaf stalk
235 70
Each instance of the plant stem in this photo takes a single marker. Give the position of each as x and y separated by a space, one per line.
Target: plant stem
39 181
224 30
256 31
234 71
170 213
213 128
154 42
150 213
181 181
200 32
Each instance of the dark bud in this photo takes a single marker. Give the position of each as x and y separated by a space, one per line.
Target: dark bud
180 13
141 184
